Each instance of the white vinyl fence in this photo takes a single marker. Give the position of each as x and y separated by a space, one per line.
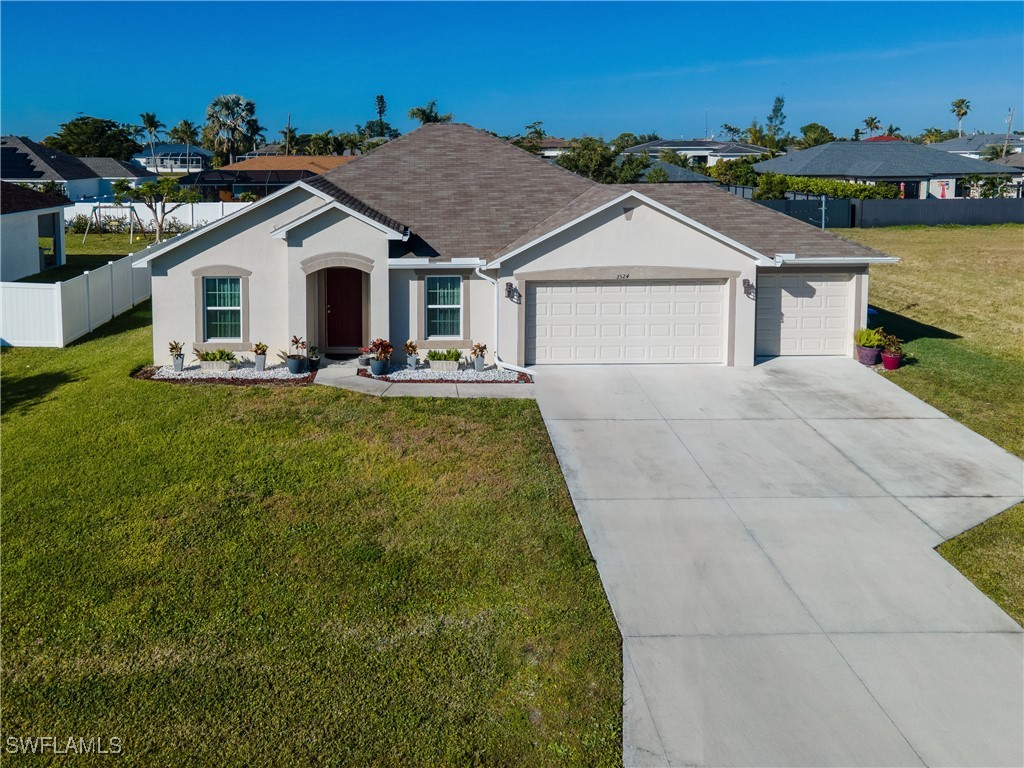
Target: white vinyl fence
191 214
54 315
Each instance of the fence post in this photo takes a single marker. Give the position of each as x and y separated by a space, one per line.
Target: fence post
112 304
88 302
59 310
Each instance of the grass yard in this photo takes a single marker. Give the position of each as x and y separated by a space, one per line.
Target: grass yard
292 576
956 299
95 252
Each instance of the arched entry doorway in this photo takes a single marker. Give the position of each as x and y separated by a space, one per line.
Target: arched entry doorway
344 302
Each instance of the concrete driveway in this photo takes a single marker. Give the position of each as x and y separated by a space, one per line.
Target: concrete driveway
765 537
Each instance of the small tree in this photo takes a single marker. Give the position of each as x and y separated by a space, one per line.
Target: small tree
429 114
382 109
592 158
814 134
94 137
656 175
161 197
681 160
771 186
776 119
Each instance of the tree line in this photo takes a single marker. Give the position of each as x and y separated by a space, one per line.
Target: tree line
232 128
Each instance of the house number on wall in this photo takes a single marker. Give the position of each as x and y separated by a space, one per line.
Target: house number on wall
622 277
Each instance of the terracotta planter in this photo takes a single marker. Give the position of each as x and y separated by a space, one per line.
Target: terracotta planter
868 355
891 361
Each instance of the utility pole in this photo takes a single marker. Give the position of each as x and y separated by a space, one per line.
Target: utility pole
288 135
1009 128
824 201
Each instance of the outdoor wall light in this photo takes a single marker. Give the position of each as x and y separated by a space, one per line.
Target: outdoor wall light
748 289
512 293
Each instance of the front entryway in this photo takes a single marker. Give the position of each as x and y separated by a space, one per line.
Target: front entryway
343 309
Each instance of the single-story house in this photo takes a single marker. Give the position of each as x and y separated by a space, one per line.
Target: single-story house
260 175
920 171
973 145
550 146
110 170
267 150
23 161
27 215
174 158
450 236
702 151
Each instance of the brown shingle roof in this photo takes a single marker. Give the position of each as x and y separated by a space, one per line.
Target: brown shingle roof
462 191
14 199
314 163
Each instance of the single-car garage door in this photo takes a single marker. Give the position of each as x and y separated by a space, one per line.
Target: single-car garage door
804 314
625 322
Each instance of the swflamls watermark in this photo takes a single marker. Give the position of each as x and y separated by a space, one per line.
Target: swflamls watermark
58 745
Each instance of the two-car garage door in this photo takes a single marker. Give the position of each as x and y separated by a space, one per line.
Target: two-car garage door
659 321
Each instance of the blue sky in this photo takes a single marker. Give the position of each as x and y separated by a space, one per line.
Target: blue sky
594 68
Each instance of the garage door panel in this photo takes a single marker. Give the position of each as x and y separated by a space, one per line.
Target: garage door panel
804 314
611 322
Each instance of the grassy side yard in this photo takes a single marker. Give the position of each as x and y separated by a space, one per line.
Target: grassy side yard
96 251
292 576
956 299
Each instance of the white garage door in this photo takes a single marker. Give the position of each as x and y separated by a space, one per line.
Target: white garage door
625 322
804 314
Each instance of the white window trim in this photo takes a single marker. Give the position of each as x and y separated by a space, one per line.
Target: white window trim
207 339
428 306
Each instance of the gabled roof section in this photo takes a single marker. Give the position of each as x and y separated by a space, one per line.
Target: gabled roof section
22 159
16 199
465 193
863 160
976 142
109 168
325 186
391 232
315 163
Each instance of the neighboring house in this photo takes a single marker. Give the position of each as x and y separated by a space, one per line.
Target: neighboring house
267 150
110 170
677 175
174 158
550 146
702 151
881 137
23 161
260 176
974 145
450 236
920 171
26 216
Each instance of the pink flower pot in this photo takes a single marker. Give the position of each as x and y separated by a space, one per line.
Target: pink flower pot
890 361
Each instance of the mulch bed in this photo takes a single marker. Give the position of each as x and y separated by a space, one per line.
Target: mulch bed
365 372
147 371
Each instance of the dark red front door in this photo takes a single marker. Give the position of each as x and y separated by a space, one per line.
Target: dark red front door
343 296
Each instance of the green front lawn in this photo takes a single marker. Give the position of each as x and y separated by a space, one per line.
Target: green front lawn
292 576
955 298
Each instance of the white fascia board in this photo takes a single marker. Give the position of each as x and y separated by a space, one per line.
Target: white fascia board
832 261
762 260
423 263
157 249
334 205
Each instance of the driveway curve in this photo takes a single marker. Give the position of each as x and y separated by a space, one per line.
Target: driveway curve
766 539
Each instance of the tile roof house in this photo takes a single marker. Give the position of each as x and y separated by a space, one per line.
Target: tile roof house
23 161
921 171
110 170
974 144
448 235
26 216
703 151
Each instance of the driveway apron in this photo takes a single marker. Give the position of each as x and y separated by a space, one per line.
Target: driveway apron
765 538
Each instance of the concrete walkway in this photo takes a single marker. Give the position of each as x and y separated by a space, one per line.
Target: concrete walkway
765 537
342 374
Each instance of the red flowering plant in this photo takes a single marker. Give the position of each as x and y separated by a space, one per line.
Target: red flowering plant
299 345
381 349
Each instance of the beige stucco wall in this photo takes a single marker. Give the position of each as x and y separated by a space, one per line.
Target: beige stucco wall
408 311
283 298
647 245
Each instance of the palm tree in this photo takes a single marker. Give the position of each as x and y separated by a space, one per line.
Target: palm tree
227 117
994 152
872 124
429 114
289 135
353 142
153 128
960 108
253 132
932 135
322 143
893 130
186 132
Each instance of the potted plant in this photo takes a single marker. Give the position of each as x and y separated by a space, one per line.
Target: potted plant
412 354
260 350
892 351
380 356
364 356
176 348
297 359
314 358
479 354
444 359
868 342
215 359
